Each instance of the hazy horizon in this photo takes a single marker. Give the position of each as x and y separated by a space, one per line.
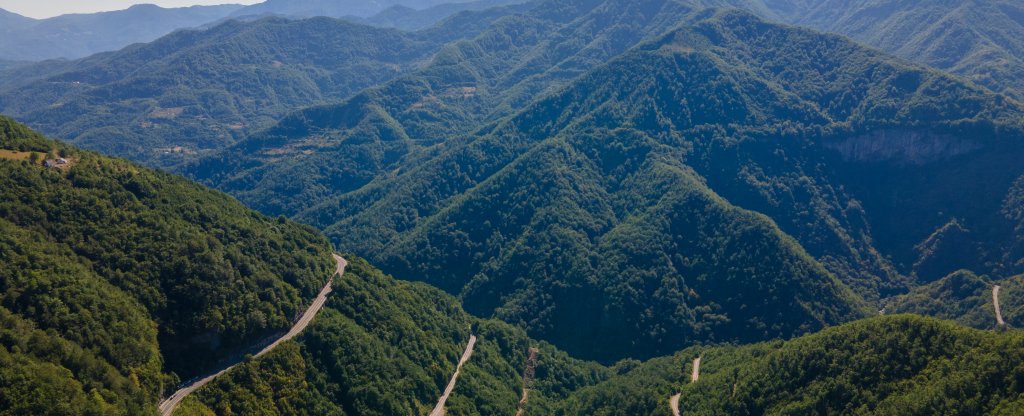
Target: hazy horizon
51 8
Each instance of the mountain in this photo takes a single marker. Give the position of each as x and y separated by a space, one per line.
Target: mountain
193 91
334 8
334 149
406 18
730 181
116 279
900 365
966 298
386 347
78 35
981 40
10 22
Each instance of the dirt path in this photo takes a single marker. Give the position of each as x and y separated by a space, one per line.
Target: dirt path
167 406
673 401
995 301
528 372
439 408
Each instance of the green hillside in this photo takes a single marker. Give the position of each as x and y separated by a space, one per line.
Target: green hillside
637 189
113 276
321 152
981 40
965 298
384 347
193 91
899 365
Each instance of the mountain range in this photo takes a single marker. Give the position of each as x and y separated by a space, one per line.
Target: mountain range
80 35
729 124
193 91
981 40
558 207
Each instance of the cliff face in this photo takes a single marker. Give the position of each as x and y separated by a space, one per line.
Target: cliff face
916 147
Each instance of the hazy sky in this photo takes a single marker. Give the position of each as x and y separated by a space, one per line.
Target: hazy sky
50 8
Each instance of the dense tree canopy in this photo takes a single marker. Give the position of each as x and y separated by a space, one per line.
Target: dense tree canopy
114 276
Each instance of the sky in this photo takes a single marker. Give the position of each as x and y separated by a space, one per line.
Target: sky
48 8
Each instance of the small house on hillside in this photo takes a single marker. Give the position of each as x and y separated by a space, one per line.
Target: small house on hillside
50 163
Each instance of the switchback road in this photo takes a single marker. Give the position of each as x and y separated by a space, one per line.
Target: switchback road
673 401
167 406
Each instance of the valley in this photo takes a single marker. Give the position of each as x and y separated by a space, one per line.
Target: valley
528 207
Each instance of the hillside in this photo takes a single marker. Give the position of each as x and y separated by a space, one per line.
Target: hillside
75 36
899 365
406 18
193 91
776 130
600 192
981 40
385 347
335 8
965 298
114 276
317 153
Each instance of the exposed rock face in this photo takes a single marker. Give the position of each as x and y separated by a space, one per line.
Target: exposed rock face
909 146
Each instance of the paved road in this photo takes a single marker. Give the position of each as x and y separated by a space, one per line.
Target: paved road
995 301
167 406
673 401
439 408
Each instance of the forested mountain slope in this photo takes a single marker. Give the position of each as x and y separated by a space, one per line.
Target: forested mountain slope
900 365
981 40
112 276
335 8
193 91
317 153
79 35
632 189
405 18
965 298
385 347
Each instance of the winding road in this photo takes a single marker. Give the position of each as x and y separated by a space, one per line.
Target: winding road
439 408
673 401
167 406
995 301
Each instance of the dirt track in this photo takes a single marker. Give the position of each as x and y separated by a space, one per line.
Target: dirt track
673 401
167 406
995 302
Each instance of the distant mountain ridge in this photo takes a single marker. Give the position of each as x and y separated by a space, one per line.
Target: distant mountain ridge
197 90
981 40
79 35
334 8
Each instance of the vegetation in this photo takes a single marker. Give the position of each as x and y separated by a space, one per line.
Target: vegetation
193 91
315 154
965 298
900 365
625 206
384 347
981 40
116 280
78 35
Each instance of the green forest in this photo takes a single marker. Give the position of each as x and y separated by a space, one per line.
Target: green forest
821 202
119 280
